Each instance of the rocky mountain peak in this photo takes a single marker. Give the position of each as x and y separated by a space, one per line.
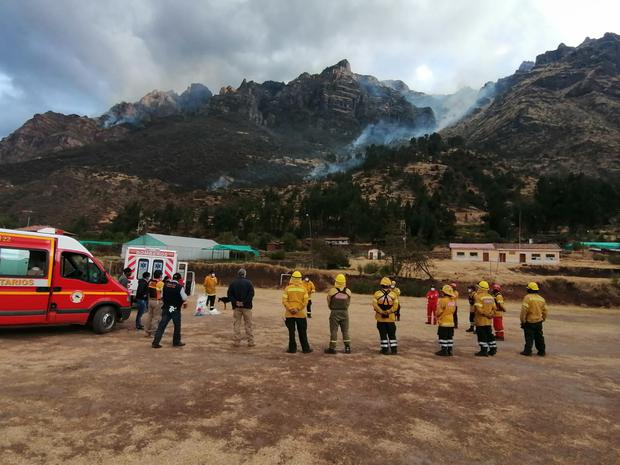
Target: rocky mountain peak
339 70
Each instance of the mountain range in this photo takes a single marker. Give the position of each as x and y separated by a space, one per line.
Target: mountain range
559 113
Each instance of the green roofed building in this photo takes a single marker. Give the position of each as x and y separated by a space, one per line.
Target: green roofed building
188 248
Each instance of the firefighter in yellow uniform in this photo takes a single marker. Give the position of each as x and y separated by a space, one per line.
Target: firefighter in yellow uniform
385 304
533 314
471 297
295 299
446 308
498 319
396 291
485 308
309 286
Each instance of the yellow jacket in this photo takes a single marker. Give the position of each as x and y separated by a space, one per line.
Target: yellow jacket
499 301
485 308
210 283
446 306
385 302
533 309
309 287
295 299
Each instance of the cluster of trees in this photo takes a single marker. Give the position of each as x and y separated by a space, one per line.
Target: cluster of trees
338 206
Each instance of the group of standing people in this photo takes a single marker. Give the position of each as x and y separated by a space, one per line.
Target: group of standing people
163 300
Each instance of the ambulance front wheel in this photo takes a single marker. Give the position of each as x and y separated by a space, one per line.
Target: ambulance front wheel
104 320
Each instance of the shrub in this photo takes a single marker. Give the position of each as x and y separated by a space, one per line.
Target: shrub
371 268
599 257
614 259
277 255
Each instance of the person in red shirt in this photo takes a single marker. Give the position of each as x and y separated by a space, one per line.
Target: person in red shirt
432 297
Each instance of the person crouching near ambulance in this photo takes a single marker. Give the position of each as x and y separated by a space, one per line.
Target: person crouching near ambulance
446 308
485 311
385 304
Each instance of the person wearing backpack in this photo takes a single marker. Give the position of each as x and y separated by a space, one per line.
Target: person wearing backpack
385 304
338 301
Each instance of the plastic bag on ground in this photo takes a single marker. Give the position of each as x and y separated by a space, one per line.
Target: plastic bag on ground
201 306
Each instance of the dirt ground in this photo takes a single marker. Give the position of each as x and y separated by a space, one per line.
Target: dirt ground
69 396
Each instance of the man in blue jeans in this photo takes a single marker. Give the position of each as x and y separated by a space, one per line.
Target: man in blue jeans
142 298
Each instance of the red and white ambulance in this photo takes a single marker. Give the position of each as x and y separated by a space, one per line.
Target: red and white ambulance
51 279
151 259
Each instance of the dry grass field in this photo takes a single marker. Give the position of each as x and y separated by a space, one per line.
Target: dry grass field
70 397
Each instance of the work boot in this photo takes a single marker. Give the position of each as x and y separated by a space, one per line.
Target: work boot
470 330
179 344
394 350
492 351
483 352
428 322
307 351
443 352
385 351
156 346
541 354
450 351
330 350
347 349
291 351
526 353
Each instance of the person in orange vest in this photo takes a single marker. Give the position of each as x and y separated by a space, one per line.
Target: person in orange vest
385 304
310 288
498 319
294 300
533 315
432 297
446 308
485 310
210 284
456 302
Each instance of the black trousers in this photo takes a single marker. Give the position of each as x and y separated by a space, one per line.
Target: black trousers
302 329
471 318
486 339
533 333
166 316
387 334
456 317
446 336
309 307
210 301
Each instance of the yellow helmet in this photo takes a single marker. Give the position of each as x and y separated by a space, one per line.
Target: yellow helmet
483 285
387 282
340 279
296 274
533 286
447 289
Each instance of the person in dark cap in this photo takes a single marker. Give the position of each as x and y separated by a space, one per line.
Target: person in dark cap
241 294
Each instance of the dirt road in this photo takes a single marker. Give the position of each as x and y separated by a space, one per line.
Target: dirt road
68 396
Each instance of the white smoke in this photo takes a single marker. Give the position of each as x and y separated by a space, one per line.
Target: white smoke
222 182
387 133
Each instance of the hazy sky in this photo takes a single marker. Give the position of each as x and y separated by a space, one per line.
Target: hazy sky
80 56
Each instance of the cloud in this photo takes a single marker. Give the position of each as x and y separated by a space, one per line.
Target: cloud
81 57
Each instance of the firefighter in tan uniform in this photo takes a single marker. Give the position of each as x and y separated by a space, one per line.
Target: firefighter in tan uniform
295 299
485 308
385 304
155 289
498 319
446 308
533 314
338 300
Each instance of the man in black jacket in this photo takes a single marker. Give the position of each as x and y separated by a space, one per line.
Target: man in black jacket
173 299
241 293
142 297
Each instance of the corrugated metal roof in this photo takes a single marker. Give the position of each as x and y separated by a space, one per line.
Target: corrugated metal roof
163 240
455 245
527 246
